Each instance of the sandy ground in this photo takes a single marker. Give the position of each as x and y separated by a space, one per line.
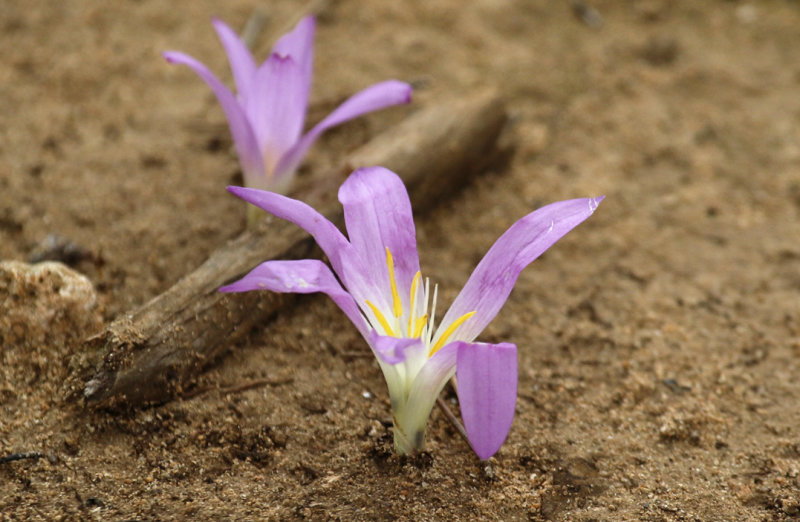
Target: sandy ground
659 342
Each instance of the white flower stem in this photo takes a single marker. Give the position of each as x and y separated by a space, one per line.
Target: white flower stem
254 215
408 445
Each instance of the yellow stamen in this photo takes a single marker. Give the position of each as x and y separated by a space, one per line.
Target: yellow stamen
398 306
419 325
450 329
381 319
414 284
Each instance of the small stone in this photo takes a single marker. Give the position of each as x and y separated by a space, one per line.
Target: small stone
59 248
44 303
660 51
47 310
790 506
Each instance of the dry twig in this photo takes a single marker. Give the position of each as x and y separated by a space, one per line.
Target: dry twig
35 455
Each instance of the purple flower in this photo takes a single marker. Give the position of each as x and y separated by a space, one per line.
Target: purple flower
266 116
377 282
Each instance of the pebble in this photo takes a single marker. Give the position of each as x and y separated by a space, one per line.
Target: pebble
44 302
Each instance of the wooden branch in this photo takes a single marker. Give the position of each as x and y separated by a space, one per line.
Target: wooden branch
148 355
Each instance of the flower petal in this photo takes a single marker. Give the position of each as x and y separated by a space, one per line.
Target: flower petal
299 44
378 96
391 350
487 393
304 276
377 214
277 107
241 61
280 98
493 279
327 236
241 129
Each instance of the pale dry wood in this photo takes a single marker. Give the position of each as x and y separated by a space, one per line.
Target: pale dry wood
152 353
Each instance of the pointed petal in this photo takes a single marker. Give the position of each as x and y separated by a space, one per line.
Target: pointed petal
325 233
241 130
378 96
277 107
299 44
493 279
377 214
241 61
487 393
304 276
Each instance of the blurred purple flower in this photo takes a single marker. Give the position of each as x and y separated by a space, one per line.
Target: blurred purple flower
377 283
267 115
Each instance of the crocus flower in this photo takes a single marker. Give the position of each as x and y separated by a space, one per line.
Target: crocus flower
377 283
267 115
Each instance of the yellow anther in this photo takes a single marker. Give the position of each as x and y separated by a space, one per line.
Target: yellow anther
450 329
419 325
397 304
381 319
414 284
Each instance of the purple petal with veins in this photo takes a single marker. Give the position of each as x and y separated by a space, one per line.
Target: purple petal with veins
299 44
304 276
487 393
493 279
276 108
241 61
377 214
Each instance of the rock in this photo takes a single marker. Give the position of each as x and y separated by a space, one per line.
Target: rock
46 311
43 303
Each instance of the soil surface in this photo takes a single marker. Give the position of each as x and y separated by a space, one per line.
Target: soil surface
659 342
